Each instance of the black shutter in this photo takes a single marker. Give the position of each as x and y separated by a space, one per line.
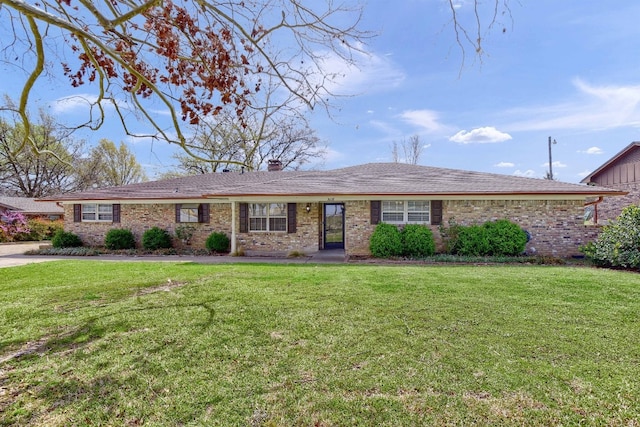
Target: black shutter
77 212
436 212
291 218
178 207
116 212
203 212
376 213
244 218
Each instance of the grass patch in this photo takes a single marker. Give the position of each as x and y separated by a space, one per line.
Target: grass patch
106 343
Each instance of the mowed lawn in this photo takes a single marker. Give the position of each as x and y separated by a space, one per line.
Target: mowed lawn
104 343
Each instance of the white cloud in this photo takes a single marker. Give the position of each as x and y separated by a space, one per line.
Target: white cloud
529 173
504 165
81 101
556 164
370 72
592 150
428 120
584 173
593 108
481 135
425 146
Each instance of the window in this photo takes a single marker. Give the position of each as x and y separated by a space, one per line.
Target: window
97 212
267 217
189 212
408 211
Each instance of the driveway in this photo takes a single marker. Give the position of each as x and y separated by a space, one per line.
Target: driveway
12 254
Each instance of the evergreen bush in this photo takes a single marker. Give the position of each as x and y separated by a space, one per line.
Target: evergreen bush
505 238
65 239
472 241
417 241
156 238
217 242
618 244
119 238
386 241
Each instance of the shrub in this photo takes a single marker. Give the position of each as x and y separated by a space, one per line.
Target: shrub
217 242
618 244
417 241
185 232
65 239
12 225
505 238
472 241
156 238
385 241
449 235
119 238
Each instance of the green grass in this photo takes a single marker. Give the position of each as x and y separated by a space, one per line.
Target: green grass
103 343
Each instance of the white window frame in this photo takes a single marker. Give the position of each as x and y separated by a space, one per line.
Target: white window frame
189 213
267 217
406 211
97 212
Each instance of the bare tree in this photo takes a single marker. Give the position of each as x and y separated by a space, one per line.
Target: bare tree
193 59
43 171
472 29
411 150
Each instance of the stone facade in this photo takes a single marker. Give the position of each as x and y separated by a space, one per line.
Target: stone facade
556 227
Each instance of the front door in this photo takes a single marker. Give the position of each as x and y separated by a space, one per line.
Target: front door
334 226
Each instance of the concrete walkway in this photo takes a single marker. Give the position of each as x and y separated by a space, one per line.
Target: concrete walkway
13 254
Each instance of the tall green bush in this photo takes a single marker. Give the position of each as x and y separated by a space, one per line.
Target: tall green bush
417 241
618 244
119 238
472 240
385 241
156 238
505 238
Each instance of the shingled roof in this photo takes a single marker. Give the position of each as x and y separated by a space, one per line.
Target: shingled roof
373 179
30 206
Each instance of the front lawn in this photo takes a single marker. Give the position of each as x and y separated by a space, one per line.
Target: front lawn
106 343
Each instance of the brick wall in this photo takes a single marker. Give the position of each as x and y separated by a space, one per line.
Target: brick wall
139 218
556 227
305 239
611 207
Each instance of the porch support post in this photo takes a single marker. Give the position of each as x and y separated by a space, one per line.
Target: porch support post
233 228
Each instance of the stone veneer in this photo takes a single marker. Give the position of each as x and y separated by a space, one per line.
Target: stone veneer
556 227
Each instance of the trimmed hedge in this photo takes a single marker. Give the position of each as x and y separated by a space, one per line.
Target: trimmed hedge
156 238
417 241
65 239
493 238
119 238
217 242
386 241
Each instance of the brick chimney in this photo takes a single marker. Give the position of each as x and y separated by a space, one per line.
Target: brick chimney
274 165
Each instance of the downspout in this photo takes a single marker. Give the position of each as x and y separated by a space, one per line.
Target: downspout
233 228
595 208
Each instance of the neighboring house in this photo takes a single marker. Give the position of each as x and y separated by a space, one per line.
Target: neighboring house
283 211
31 208
621 172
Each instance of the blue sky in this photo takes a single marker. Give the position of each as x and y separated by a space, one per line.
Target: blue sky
567 69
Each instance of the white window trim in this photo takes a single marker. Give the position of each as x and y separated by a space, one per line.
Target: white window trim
96 212
405 212
268 218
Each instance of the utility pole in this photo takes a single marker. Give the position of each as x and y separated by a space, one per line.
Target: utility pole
550 175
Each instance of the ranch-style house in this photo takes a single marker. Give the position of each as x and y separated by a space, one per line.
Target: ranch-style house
278 212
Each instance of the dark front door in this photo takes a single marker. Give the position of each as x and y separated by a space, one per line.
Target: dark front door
334 226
